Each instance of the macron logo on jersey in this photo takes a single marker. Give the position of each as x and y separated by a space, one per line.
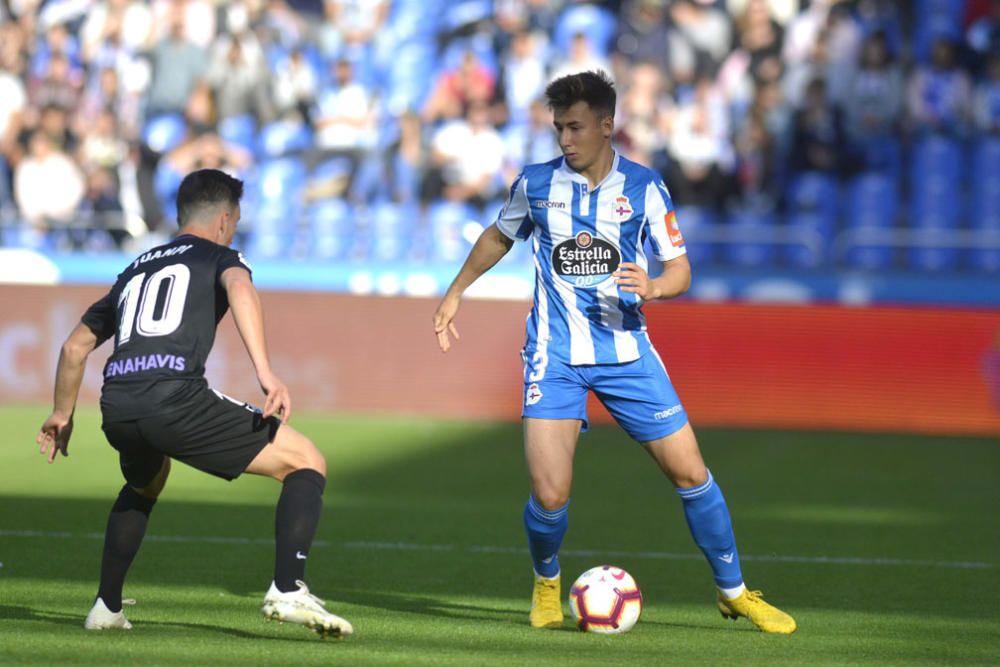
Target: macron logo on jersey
543 203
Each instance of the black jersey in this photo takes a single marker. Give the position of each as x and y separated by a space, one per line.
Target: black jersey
162 314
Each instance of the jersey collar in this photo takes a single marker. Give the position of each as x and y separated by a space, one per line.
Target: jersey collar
577 177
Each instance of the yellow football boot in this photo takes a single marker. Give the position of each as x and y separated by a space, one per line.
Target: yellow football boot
751 605
546 604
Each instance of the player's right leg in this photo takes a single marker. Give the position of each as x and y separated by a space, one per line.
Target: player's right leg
549 447
145 471
293 459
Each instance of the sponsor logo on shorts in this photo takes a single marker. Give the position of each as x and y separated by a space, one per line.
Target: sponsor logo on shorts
669 412
585 260
533 394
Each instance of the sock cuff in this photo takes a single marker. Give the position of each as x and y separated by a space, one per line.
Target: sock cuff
308 476
129 499
692 492
546 516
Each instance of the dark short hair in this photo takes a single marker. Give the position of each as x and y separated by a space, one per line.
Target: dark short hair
595 88
204 188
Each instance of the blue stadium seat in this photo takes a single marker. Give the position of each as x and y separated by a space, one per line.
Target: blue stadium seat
331 229
164 132
283 137
280 181
935 19
447 222
936 221
392 227
812 215
750 245
166 182
597 23
872 203
936 158
240 131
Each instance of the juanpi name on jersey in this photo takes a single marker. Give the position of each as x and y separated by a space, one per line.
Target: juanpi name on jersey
585 260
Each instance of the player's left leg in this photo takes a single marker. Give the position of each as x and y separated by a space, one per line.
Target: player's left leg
708 519
146 473
643 400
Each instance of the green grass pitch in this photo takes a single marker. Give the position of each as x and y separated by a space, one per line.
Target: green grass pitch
885 548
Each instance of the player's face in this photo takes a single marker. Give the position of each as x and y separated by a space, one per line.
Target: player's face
583 135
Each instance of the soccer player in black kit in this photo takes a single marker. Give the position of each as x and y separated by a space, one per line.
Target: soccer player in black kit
156 404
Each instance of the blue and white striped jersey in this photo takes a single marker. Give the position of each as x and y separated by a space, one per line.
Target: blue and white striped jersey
580 236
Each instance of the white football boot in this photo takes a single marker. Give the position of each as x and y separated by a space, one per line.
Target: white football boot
302 607
102 618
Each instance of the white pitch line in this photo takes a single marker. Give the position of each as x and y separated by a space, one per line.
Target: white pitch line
521 551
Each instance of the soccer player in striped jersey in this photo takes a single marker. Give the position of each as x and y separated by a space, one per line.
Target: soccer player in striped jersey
587 214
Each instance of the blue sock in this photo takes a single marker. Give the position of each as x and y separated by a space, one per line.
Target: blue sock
545 531
708 518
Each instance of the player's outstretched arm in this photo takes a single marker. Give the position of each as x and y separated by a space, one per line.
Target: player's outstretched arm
249 318
55 433
674 281
489 249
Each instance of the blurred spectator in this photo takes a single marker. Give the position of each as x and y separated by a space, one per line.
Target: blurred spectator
939 93
237 76
783 11
706 28
986 103
57 86
983 36
102 145
48 186
177 63
407 158
644 35
13 101
818 142
105 93
638 126
875 97
466 158
197 19
755 178
101 208
344 117
294 87
522 76
529 143
53 122
350 26
758 34
207 151
582 58
472 82
126 22
699 155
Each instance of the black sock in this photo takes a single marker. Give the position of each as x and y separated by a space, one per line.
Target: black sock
126 528
295 522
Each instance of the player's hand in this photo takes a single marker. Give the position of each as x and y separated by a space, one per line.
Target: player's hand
444 321
54 435
633 278
278 401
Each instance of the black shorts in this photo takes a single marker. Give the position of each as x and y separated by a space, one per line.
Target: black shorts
213 433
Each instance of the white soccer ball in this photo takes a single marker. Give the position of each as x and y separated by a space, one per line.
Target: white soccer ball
605 599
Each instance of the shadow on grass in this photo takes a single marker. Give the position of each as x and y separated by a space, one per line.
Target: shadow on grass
470 490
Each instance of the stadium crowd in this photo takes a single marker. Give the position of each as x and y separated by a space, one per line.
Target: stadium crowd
376 128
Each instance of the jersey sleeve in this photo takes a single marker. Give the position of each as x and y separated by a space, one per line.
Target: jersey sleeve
100 318
661 221
229 259
515 216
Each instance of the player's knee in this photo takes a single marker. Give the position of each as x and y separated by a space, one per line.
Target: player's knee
309 456
551 498
154 488
690 477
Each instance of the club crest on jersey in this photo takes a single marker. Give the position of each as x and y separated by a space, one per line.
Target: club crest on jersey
673 229
621 208
533 394
585 260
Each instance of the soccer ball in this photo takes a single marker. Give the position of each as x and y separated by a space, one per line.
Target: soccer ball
605 599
